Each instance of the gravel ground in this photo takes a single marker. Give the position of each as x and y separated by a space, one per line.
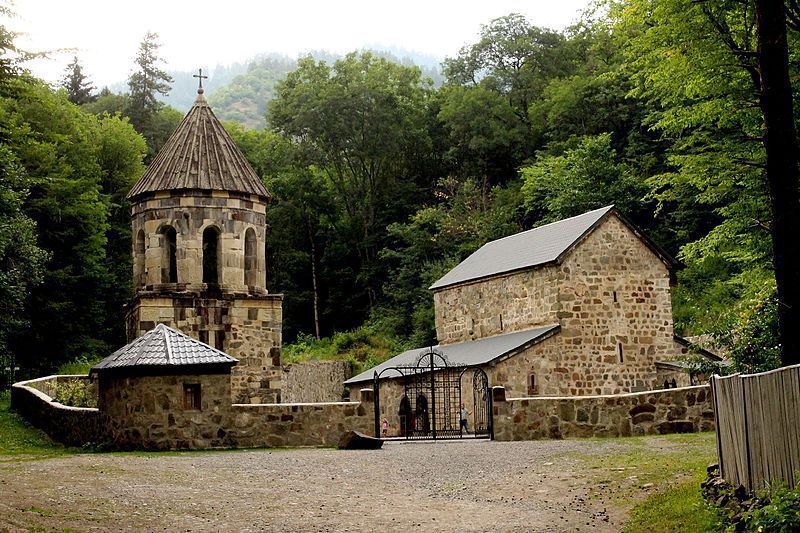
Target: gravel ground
451 486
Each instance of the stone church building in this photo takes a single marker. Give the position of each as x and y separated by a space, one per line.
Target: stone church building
578 307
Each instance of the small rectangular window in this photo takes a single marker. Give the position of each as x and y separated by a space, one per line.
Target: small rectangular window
615 296
191 396
621 358
501 322
533 386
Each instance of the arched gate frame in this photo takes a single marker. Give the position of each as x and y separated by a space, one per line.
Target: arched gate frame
432 396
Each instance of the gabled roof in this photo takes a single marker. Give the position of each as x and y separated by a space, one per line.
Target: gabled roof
470 353
539 246
162 348
200 155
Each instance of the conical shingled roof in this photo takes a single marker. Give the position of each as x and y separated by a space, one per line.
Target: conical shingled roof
200 155
164 347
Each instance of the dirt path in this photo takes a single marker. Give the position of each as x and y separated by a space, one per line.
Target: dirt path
453 486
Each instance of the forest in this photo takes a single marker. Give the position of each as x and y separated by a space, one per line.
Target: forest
382 180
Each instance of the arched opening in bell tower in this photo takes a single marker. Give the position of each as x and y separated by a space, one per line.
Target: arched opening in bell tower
211 256
250 258
169 259
139 260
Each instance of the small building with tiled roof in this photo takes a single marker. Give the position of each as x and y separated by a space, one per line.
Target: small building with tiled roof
162 380
198 219
581 306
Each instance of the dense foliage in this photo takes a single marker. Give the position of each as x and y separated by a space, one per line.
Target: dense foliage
383 180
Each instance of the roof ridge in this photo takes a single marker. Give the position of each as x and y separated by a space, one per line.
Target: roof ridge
608 208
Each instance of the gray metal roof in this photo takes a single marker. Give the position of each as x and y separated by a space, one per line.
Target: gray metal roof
538 246
200 155
163 346
471 353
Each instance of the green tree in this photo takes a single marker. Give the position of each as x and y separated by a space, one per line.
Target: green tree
22 260
78 86
362 122
586 177
146 83
694 62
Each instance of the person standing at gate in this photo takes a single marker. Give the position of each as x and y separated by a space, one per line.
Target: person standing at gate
384 427
464 415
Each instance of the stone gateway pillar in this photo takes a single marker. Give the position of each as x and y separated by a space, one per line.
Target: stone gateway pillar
198 220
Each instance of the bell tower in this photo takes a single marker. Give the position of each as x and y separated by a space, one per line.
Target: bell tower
198 216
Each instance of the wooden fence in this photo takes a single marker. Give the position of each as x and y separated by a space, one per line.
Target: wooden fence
758 427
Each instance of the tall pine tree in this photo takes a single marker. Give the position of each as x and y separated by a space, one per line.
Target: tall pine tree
78 86
145 84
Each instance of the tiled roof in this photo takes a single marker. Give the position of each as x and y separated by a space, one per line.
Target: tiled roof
200 155
470 353
534 247
162 347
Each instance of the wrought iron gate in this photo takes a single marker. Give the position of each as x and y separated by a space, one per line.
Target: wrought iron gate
433 400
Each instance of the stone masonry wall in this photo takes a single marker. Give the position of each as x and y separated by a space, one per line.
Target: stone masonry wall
502 304
300 424
682 410
190 213
148 411
611 297
246 327
316 381
71 426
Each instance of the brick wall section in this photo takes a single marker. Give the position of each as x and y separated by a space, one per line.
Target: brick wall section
318 381
71 426
682 410
611 297
247 327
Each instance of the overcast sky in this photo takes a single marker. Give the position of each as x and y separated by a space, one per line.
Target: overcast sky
106 33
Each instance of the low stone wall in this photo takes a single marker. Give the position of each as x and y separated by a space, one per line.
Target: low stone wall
301 424
317 381
681 410
72 426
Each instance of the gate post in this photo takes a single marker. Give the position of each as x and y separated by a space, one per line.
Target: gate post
433 398
377 402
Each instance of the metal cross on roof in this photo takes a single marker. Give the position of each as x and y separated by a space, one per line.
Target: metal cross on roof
201 77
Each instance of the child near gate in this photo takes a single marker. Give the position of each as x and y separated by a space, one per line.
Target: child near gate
384 427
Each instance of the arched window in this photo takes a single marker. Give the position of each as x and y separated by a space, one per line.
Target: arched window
169 260
211 255
139 260
250 258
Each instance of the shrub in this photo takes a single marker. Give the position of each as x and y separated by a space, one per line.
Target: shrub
777 510
75 393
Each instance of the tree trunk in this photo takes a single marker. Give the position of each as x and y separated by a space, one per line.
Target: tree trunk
314 276
781 149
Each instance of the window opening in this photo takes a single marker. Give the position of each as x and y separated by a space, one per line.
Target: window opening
211 256
191 396
169 265
250 258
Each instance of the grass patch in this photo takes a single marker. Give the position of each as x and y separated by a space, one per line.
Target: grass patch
19 440
662 475
677 507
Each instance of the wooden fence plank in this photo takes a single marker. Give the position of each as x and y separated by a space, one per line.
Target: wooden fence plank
758 427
